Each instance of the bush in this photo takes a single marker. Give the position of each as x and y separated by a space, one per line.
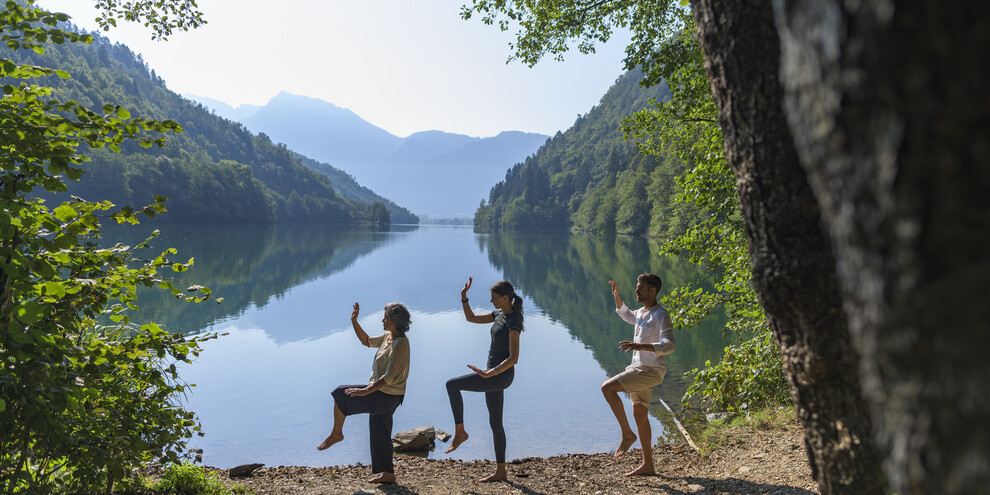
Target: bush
749 376
187 479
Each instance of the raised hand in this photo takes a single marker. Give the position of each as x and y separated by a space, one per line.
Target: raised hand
615 293
357 309
466 287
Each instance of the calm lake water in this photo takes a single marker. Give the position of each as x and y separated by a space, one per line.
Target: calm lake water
262 392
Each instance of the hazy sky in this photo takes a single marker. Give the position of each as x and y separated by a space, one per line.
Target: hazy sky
403 65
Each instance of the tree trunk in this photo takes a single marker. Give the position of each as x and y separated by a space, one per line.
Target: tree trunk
793 264
887 107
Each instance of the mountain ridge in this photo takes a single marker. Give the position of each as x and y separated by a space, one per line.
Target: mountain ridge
432 172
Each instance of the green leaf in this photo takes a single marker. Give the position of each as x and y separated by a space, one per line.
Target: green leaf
65 213
123 113
63 74
28 312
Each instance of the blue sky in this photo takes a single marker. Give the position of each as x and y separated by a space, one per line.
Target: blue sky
403 65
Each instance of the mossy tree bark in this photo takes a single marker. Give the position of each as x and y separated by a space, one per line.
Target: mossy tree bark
794 270
887 106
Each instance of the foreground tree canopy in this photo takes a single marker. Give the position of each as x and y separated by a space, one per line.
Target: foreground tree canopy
849 130
85 394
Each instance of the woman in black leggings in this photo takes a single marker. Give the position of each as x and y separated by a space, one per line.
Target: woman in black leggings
503 354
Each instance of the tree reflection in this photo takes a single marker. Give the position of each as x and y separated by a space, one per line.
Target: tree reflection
566 277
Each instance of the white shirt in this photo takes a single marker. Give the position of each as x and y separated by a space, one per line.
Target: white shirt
653 326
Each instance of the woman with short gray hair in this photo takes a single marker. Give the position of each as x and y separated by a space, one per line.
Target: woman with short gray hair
384 392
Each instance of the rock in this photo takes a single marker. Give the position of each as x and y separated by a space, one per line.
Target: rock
412 440
695 488
722 416
745 469
443 436
243 470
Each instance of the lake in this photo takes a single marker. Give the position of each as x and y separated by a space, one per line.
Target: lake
262 391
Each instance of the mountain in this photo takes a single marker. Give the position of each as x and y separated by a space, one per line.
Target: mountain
322 131
215 171
459 176
222 109
590 178
433 173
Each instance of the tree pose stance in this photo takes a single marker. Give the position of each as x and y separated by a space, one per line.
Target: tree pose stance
653 339
384 392
503 354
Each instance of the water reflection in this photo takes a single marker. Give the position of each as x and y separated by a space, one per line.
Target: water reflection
248 266
263 391
567 275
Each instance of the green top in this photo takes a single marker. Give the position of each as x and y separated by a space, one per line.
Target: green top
391 363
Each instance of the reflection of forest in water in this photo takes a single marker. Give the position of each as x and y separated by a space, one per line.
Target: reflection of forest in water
245 265
567 277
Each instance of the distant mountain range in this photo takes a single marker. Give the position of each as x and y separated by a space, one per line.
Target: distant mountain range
433 173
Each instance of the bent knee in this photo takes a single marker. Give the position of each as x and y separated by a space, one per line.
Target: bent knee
611 386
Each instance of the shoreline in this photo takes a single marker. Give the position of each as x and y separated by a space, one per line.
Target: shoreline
752 459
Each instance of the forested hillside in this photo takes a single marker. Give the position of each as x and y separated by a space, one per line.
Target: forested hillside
591 179
214 171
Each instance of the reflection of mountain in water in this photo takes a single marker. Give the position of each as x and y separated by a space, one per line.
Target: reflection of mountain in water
567 277
245 266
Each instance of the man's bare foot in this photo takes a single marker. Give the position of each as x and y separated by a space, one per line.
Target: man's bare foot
383 478
643 470
330 440
627 441
458 439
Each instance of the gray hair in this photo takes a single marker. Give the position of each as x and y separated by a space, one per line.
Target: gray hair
399 316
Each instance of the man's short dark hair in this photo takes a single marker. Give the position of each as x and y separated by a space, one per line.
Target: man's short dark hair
650 280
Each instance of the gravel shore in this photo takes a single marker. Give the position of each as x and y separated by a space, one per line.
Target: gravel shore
754 460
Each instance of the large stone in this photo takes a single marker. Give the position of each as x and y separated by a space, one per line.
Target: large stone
243 470
443 436
722 416
413 440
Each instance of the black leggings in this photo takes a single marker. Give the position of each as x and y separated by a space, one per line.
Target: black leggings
493 388
380 407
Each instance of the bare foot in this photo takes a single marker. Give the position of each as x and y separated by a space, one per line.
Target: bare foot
330 440
627 441
383 478
458 439
498 475
643 470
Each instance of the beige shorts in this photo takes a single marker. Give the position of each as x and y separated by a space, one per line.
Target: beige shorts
639 382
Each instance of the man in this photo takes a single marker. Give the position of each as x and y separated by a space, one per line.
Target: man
653 339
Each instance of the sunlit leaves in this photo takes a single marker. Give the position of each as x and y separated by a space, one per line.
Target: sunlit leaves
87 395
161 16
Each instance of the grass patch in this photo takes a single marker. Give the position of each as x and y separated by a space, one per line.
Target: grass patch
735 430
187 479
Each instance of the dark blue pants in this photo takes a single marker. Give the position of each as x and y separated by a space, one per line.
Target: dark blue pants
379 406
494 398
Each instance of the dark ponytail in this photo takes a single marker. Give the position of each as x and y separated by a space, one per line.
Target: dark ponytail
504 288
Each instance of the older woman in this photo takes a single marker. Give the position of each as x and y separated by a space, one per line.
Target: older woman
507 324
384 391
